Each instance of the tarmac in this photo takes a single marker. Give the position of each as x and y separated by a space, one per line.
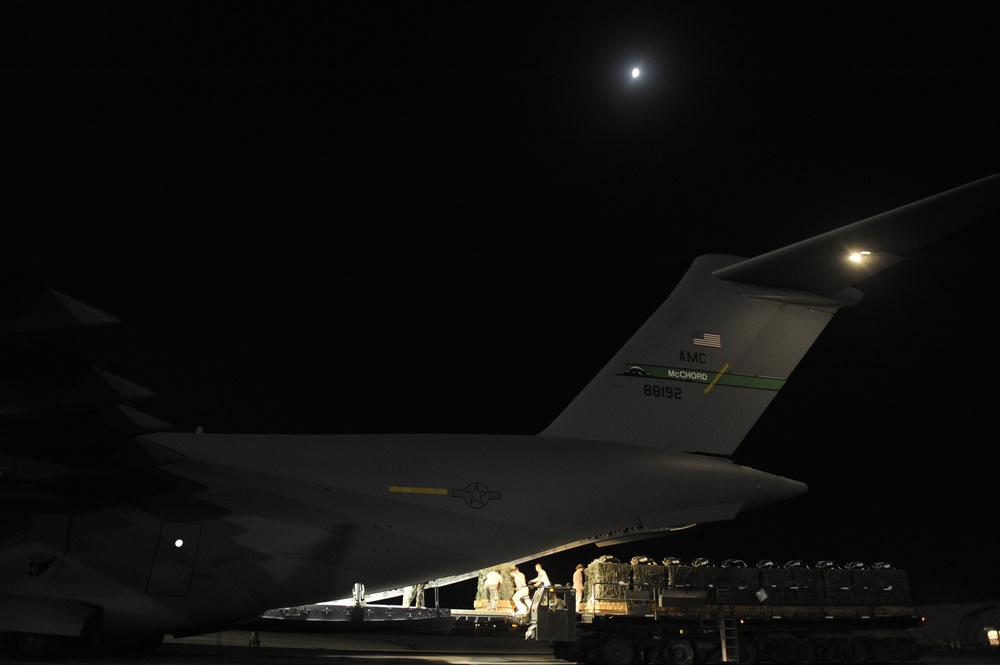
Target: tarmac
285 648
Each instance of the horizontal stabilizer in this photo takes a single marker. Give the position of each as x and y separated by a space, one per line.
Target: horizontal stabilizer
823 264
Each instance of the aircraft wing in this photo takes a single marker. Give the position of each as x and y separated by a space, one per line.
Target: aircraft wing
60 416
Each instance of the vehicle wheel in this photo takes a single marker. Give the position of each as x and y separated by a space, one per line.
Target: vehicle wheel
569 651
747 653
853 651
32 646
831 652
681 652
799 651
618 651
589 650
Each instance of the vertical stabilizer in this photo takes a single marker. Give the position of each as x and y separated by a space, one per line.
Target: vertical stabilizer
702 369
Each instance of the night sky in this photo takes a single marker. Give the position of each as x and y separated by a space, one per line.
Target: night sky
309 218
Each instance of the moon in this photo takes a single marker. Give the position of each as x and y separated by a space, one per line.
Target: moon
635 72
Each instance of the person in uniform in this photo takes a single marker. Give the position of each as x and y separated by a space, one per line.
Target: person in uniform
520 592
492 584
418 594
409 592
578 585
541 579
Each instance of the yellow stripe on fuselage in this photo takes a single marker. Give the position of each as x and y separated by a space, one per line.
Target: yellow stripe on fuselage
418 490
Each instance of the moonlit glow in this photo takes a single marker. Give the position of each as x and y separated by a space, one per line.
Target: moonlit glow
635 72
857 256
178 543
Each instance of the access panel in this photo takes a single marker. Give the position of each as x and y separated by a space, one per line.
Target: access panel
176 557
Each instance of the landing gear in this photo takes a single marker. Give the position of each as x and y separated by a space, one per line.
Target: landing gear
33 646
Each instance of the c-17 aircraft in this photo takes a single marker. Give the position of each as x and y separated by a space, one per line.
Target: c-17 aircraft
110 529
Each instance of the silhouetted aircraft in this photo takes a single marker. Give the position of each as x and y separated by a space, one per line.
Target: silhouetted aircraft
111 531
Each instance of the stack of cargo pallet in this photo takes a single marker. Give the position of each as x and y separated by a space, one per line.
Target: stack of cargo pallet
791 590
607 581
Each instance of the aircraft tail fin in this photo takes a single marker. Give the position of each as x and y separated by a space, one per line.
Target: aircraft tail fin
699 373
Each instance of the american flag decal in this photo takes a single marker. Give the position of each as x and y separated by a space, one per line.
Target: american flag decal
707 339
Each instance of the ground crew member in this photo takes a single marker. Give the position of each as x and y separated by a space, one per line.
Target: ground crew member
520 592
578 585
492 584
